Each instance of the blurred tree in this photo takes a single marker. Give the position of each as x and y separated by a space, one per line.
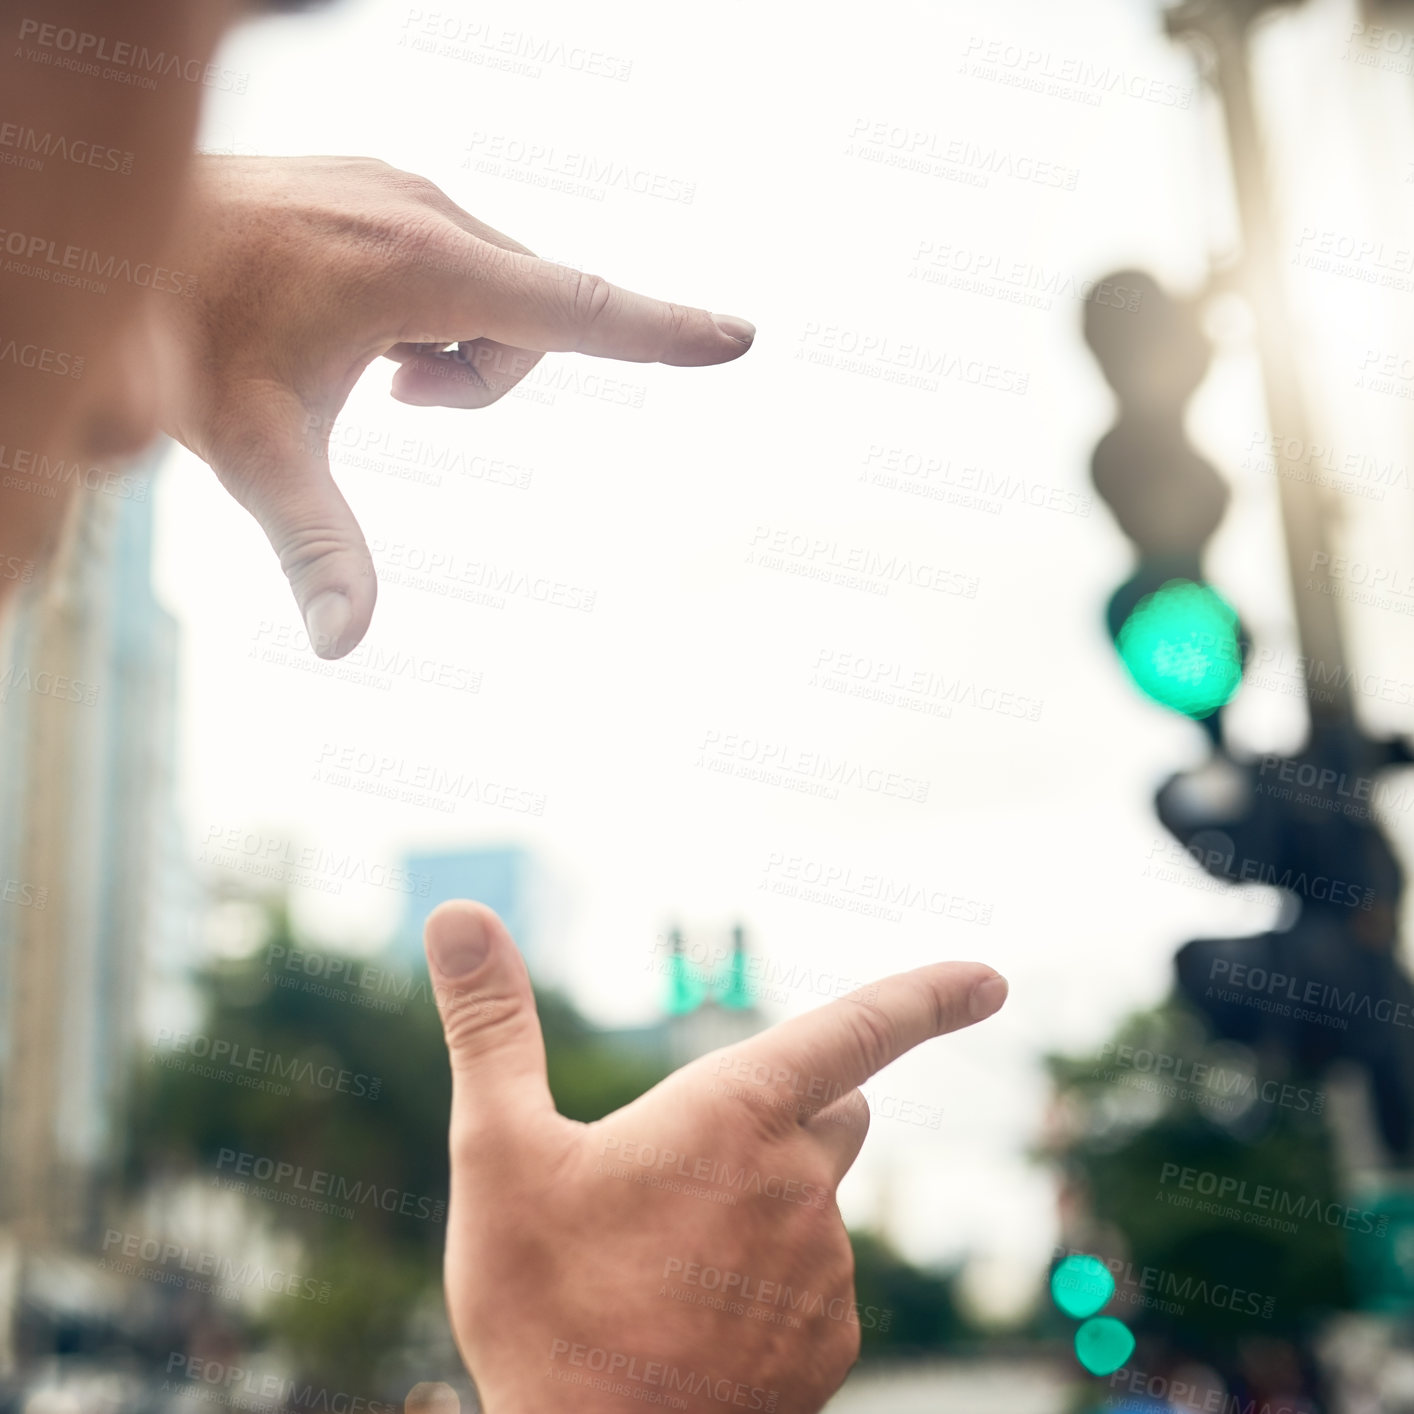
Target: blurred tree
1203 1285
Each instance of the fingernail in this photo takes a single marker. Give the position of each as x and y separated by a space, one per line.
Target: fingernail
739 329
987 997
461 952
326 616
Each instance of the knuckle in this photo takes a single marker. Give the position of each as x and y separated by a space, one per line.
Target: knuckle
410 184
588 297
874 1035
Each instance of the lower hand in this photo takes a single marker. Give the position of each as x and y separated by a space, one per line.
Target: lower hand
565 1241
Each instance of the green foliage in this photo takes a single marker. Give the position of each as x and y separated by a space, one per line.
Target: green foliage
1126 1120
902 1309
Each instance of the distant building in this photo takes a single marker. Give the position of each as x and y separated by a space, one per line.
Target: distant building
504 877
91 881
709 1005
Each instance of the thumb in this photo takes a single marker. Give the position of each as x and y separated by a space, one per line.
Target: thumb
488 1017
275 461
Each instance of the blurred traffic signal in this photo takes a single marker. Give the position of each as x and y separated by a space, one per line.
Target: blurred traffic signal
1330 985
1305 824
1080 1286
690 986
1178 638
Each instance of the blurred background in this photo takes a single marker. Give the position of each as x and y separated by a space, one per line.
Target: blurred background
1037 590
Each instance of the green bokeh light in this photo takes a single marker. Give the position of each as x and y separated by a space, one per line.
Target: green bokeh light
1081 1285
685 987
1181 646
1103 1344
735 990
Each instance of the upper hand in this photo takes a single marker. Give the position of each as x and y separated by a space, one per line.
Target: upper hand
570 1246
307 269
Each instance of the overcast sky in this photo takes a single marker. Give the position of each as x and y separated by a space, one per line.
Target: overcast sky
893 202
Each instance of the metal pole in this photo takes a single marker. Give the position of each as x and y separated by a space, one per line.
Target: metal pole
1225 26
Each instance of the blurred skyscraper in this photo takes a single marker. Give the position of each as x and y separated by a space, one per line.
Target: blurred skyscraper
503 877
92 888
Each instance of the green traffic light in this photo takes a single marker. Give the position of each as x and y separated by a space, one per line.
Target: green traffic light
1103 1344
685 988
735 992
1081 1284
1181 646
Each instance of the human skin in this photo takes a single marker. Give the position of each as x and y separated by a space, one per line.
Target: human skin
263 288
308 269
111 408
565 1241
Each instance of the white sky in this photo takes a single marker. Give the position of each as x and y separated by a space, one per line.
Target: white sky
656 506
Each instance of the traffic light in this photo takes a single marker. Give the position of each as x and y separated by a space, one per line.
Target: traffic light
1303 824
687 987
1329 987
690 986
1178 638
1080 1286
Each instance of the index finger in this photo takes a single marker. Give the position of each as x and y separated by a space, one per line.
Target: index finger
518 299
846 1042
